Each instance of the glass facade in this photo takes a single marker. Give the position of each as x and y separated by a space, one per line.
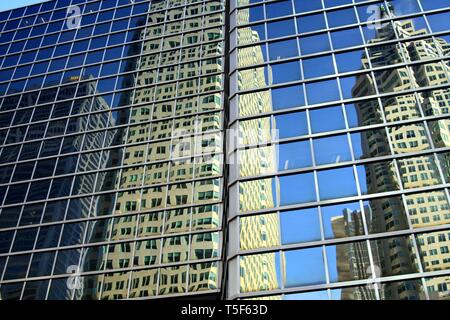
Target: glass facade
111 149
345 106
243 149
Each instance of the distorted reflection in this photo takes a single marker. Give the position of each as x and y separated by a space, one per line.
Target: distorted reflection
380 211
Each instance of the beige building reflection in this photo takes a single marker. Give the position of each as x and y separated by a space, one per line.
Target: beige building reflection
160 208
257 272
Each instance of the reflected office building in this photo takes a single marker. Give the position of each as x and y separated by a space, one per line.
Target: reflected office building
210 149
354 203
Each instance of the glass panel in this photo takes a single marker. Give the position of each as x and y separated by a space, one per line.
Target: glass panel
327 119
343 220
331 150
300 226
337 183
348 262
266 278
304 267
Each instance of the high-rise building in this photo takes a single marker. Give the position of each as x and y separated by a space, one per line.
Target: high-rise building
212 149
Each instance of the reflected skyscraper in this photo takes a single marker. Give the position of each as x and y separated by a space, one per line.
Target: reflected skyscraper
389 213
225 150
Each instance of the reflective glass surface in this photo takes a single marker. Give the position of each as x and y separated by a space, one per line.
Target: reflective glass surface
341 190
111 149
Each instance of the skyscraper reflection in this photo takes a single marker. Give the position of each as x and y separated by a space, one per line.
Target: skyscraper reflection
397 256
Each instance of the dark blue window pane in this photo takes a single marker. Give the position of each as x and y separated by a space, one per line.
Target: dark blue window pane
337 183
297 189
55 26
16 47
85 32
48 237
34 83
288 97
46 6
59 14
3 49
313 44
16 86
39 68
16 193
349 61
105 16
22 72
41 265
317 67
38 190
434 4
285 72
119 25
346 38
283 49
22 34
6 74
61 187
280 28
11 61
8 218
99 42
309 5
101 29
311 22
31 214
32 9
123 12
106 4
93 57
17 267
38 30
323 91
88 19
33 43
279 9
341 17
106 85
24 240
80 46
29 151
91 72
113 53
140 8
62 50
118 38
75 61
50 39
66 36
110 68
6 37
12 24
57 64
333 3
439 22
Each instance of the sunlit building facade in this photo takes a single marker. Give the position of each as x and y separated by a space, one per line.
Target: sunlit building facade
212 149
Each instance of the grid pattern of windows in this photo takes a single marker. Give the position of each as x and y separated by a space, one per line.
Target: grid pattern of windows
111 149
340 188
